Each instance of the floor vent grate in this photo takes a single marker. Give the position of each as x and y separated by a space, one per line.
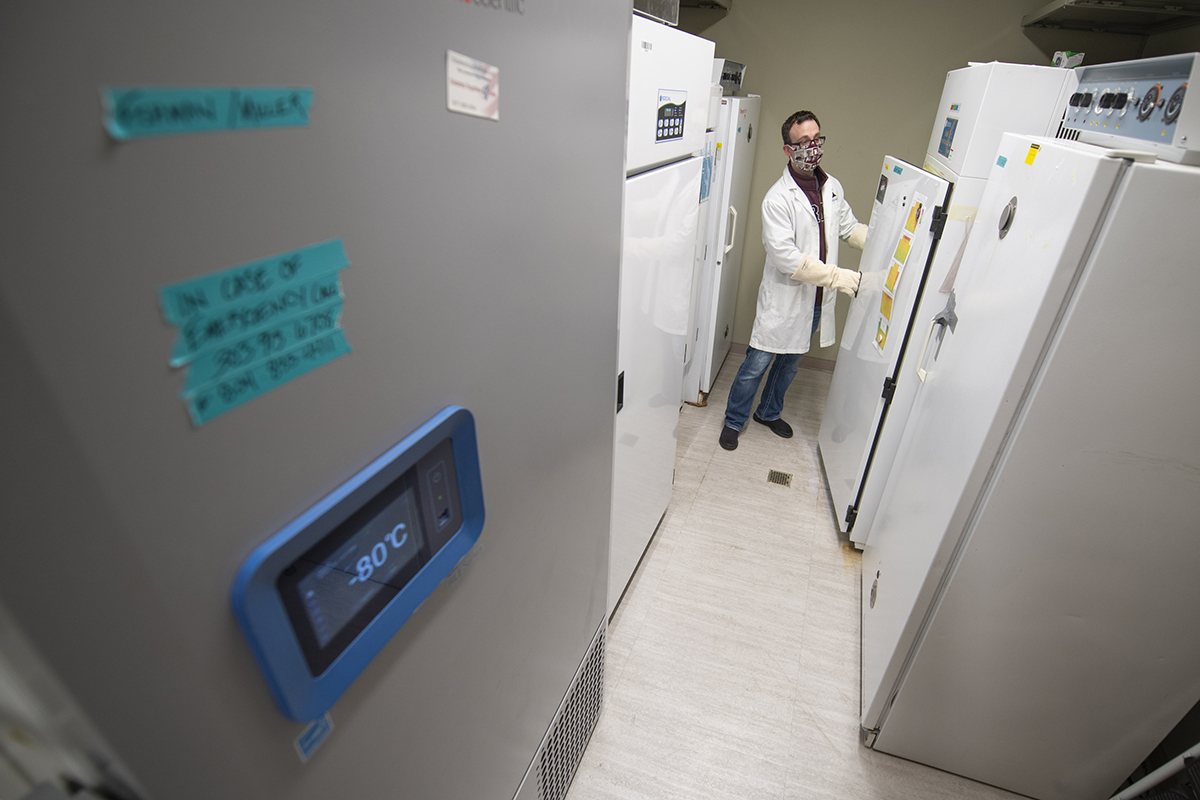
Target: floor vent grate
781 478
563 751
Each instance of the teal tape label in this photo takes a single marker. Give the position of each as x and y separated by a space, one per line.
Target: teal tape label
133 113
223 325
1001 161
214 399
186 299
245 330
897 169
249 351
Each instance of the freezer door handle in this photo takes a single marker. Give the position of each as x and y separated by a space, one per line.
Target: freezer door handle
732 228
947 319
922 373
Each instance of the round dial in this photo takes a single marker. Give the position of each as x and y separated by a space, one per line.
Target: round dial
1174 105
1149 101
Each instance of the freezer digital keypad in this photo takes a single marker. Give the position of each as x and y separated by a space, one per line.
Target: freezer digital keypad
672 106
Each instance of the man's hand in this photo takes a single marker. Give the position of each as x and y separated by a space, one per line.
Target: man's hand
847 280
815 271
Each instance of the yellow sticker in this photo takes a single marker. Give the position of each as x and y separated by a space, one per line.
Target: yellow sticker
1033 151
885 307
893 276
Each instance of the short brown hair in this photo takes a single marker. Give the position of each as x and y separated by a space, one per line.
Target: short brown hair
796 119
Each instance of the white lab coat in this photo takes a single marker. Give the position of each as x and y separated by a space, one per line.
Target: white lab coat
783 322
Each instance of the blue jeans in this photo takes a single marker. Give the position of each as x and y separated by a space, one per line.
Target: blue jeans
749 374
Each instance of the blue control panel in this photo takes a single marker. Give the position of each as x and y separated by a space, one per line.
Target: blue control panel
1140 100
319 599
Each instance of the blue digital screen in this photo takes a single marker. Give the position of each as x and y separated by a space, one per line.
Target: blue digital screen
947 142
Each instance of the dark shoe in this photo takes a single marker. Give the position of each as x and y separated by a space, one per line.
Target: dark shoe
728 438
777 426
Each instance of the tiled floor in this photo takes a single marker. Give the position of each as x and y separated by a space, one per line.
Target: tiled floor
733 658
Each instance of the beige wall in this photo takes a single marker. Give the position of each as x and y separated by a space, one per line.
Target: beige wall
873 71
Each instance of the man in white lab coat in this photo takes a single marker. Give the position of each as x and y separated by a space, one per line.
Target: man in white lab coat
804 215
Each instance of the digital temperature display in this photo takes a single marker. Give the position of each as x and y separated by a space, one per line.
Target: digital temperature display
336 588
320 599
370 560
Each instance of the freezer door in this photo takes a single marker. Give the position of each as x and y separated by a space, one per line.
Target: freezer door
661 212
956 231
895 266
740 134
1063 649
712 246
1009 292
697 310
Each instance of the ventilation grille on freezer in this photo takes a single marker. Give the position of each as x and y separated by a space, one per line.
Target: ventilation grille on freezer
573 729
781 478
1067 133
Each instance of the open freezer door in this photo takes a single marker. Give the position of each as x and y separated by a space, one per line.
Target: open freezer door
906 221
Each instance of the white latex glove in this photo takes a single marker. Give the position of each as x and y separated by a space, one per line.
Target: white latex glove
815 271
858 237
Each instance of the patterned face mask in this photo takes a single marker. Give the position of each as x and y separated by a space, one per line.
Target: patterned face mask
807 155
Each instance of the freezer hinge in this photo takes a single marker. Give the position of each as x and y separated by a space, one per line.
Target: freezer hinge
851 515
938 223
868 736
889 389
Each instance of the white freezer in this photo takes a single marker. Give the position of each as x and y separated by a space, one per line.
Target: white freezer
737 140
662 211
897 264
669 80
1029 583
980 102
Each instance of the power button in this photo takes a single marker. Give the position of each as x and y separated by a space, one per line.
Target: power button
439 495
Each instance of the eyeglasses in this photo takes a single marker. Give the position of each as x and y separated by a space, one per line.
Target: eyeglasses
803 143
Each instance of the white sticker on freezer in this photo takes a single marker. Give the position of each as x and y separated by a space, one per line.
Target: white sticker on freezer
472 87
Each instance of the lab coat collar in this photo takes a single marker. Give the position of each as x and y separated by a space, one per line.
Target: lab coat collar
828 193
